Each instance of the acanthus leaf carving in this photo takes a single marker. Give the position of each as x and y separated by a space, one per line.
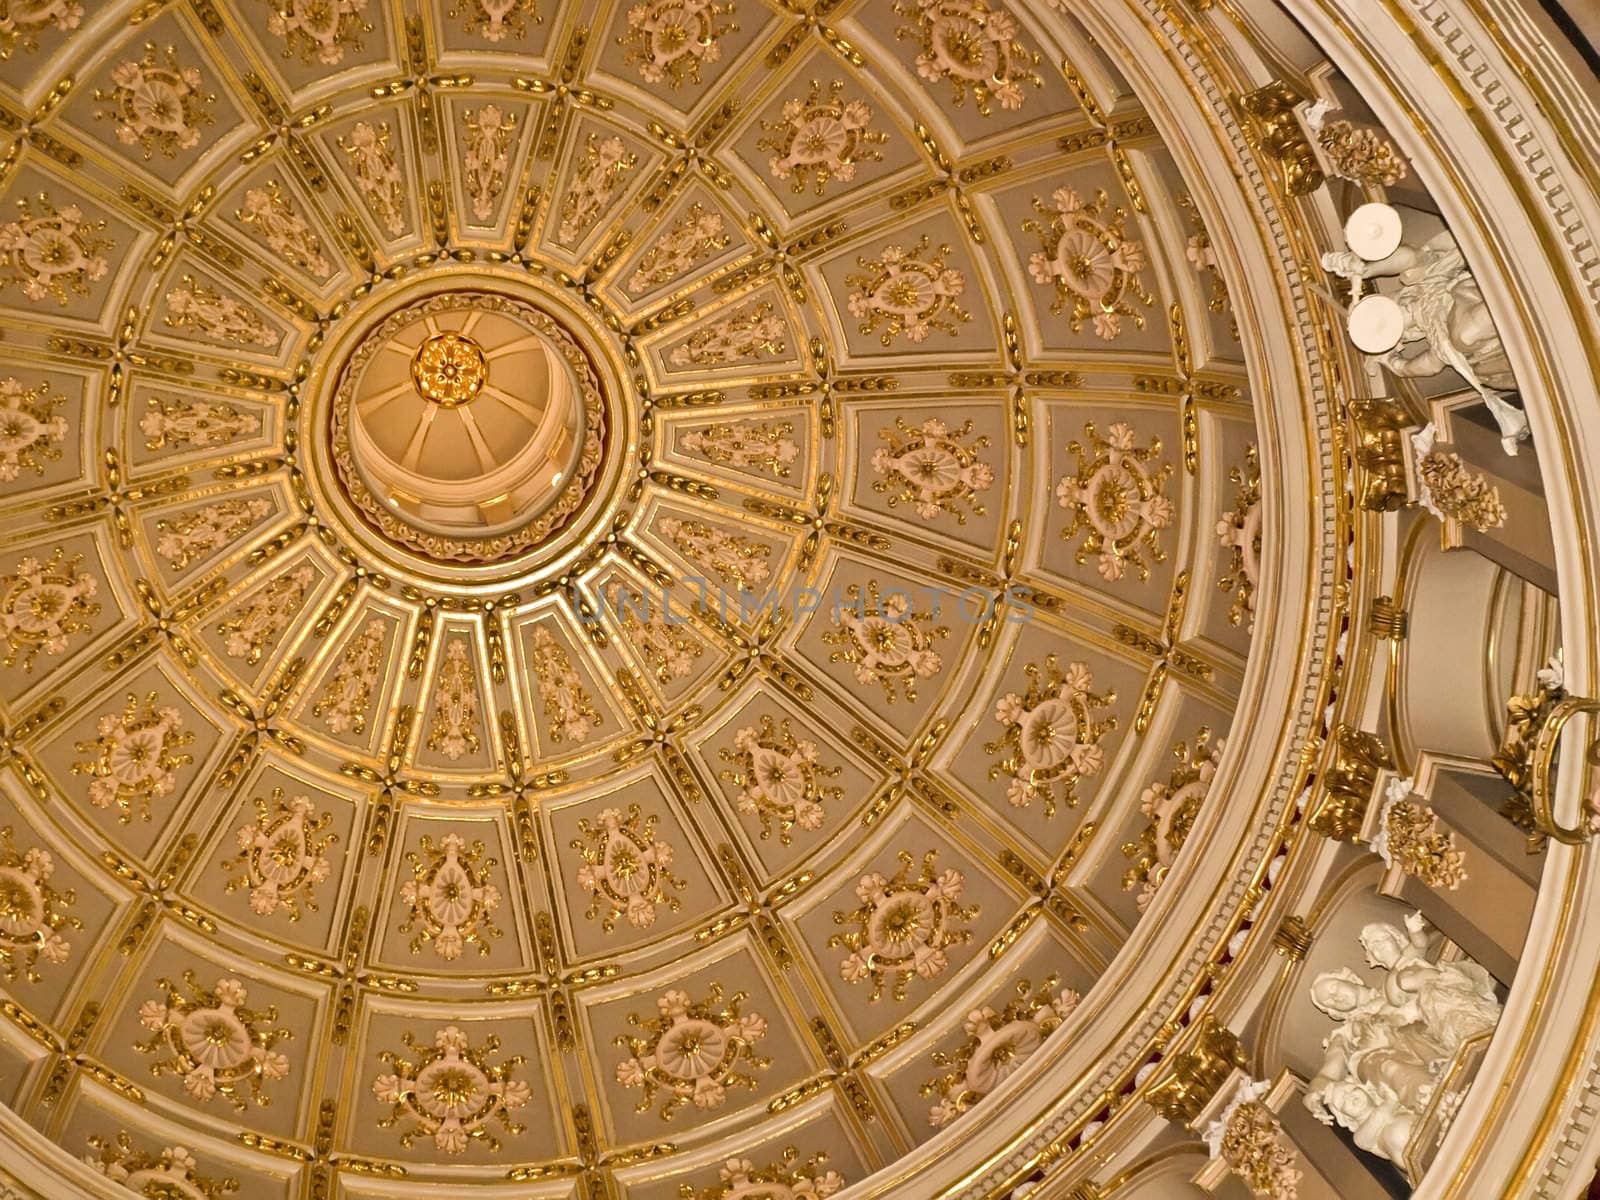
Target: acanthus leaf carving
904 925
135 756
1051 737
216 1045
451 1092
693 1052
627 869
997 1043
779 777
282 855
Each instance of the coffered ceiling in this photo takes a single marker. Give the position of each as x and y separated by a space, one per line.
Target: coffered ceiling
358 829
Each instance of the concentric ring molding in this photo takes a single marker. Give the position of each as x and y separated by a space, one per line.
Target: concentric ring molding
748 907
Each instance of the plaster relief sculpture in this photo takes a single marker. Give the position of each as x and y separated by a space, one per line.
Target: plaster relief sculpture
31 431
821 137
692 1051
998 1043
32 913
42 604
1434 318
1392 1044
22 23
282 854
50 251
210 1039
788 1179
172 1175
287 233
134 756
974 46
780 778
451 1092
182 424
903 926
156 103
496 20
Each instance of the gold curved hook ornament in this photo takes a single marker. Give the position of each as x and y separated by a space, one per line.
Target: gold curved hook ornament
1543 760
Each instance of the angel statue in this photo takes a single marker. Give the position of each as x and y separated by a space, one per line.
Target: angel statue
1446 322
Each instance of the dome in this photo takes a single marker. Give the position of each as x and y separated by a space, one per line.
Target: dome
737 600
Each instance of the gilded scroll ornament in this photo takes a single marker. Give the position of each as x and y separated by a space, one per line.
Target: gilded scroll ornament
626 869
569 711
1051 736
1172 806
764 446
907 290
189 537
497 20
692 1052
451 1092
31 431
790 1178
1116 500
450 898
691 239
257 623
346 697
733 558
135 756
488 130
52 252
780 778
43 604
904 925
182 424
174 1174
32 912
1239 534
453 726
271 214
997 1043
156 103
820 137
22 23
885 641
200 308
216 1045
1089 261
595 181
752 331
932 468
282 855
320 31
669 40
369 149
972 44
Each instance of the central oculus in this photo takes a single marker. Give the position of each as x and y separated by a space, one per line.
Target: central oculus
468 426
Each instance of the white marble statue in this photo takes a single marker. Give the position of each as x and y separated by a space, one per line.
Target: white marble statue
1446 322
1391 1044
